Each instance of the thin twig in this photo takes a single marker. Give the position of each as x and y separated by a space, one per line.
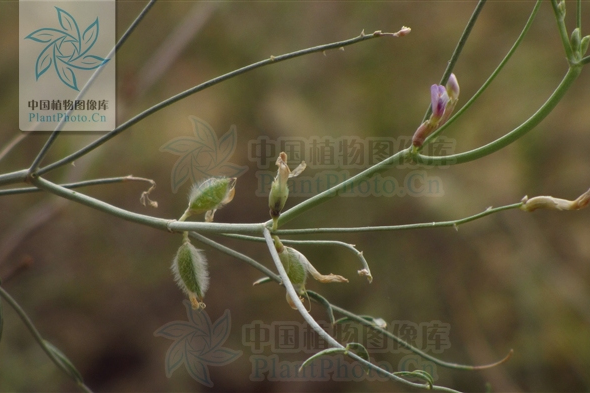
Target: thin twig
492 76
457 52
202 86
45 149
37 336
154 222
439 224
318 329
85 183
235 254
13 142
365 271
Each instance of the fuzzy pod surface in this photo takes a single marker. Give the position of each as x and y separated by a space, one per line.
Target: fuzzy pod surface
191 273
211 194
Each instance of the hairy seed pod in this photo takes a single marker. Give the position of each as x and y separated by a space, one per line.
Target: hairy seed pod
190 272
211 194
297 267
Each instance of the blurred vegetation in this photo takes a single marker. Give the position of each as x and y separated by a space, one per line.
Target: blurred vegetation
99 287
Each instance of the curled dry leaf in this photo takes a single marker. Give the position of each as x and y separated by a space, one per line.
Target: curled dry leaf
549 202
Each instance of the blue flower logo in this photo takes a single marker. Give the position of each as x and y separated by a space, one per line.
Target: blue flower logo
203 155
197 344
67 49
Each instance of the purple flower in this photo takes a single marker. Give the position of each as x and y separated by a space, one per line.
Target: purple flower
439 99
443 100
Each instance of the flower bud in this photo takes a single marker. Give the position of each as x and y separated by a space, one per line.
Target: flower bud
211 194
575 40
442 102
452 88
584 45
279 190
453 91
560 12
190 272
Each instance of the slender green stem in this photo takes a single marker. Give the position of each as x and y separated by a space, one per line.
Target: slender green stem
337 189
579 14
483 87
95 182
154 222
365 271
513 135
312 323
349 314
440 224
458 49
560 17
408 346
235 254
45 149
202 86
36 335
12 144
14 177
293 294
134 24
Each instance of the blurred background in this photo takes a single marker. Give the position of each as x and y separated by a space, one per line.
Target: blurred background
98 287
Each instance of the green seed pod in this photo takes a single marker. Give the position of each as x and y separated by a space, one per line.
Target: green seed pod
190 272
294 263
211 194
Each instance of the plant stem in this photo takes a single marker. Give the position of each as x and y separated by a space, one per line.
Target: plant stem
366 271
334 191
417 351
85 183
235 254
565 40
452 223
35 333
579 14
43 152
318 329
483 87
154 222
513 135
14 177
202 86
457 51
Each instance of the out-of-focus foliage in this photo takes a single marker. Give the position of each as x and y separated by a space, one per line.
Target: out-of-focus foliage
98 287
